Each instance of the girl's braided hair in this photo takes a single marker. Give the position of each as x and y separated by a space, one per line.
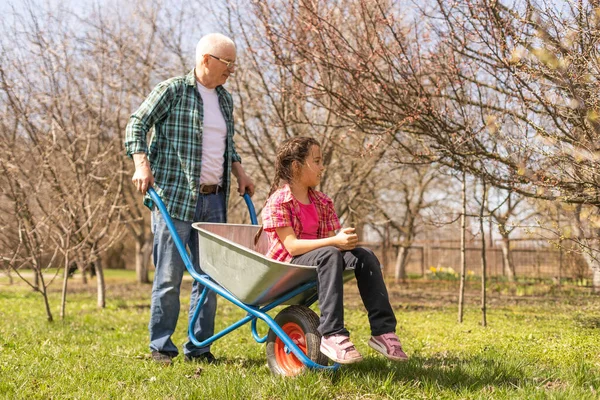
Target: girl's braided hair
294 149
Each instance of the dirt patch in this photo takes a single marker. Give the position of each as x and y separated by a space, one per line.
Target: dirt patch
413 295
424 294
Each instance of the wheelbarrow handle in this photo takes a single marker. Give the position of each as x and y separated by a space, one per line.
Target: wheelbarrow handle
251 209
156 198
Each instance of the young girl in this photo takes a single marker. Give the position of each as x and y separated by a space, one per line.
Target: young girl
300 223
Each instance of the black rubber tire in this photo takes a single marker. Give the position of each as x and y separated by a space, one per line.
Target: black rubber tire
308 322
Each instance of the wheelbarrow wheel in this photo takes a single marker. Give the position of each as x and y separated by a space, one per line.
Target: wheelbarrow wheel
300 323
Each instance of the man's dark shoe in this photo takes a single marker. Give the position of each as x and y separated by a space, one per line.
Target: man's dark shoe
163 357
207 358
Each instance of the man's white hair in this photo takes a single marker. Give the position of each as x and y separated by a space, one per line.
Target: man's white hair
210 44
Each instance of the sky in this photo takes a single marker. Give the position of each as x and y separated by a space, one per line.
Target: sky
8 8
69 10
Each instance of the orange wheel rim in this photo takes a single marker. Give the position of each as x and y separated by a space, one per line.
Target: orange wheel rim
288 362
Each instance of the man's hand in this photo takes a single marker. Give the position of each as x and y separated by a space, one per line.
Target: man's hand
346 239
142 178
245 184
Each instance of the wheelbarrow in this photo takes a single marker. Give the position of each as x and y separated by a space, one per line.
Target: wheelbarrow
239 271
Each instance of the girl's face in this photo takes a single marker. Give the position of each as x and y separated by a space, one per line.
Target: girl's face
310 172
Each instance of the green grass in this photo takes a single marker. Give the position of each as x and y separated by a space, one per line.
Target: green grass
532 349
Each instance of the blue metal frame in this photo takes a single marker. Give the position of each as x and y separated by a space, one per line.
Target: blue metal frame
254 312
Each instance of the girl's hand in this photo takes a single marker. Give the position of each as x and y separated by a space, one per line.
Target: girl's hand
346 239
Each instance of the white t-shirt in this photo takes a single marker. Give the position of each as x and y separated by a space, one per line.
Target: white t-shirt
213 138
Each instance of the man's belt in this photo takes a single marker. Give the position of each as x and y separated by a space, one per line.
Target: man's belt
210 189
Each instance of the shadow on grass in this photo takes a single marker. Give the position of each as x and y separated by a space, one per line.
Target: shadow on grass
126 306
445 372
587 321
233 362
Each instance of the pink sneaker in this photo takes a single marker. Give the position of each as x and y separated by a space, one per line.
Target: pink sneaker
340 349
389 345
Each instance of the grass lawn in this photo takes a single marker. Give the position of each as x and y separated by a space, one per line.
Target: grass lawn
534 347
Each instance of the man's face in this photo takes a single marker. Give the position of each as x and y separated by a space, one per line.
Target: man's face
216 64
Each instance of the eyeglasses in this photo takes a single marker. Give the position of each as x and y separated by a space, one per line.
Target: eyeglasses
228 64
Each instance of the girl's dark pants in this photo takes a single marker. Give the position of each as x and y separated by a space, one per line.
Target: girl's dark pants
331 263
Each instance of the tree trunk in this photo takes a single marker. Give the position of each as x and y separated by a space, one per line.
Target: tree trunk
596 277
386 246
36 278
84 272
483 258
594 266
560 247
142 256
507 261
100 284
401 261
47 304
403 251
592 261
463 243
359 230
63 299
42 289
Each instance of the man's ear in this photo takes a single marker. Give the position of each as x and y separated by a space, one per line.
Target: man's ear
205 58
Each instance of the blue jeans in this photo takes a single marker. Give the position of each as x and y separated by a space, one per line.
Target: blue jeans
164 309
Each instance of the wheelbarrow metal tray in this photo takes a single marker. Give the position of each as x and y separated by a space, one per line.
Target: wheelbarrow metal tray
229 257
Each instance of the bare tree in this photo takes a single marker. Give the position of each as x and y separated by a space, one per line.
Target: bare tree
274 105
32 233
475 85
509 212
73 172
403 198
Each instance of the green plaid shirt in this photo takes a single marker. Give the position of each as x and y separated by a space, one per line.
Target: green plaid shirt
174 108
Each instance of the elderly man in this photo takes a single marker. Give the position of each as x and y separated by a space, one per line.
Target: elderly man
188 162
